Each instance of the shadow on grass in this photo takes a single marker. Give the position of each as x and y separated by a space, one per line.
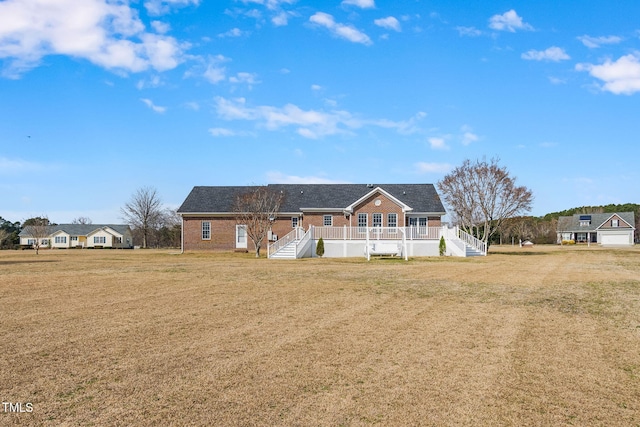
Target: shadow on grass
28 261
520 253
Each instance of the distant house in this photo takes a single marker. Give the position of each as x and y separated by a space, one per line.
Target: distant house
606 229
83 236
352 219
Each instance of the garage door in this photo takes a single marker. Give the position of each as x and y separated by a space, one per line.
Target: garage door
614 239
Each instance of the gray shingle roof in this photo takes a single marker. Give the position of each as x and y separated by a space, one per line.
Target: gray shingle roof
572 223
83 229
420 197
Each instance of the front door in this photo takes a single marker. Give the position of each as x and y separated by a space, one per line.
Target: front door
241 237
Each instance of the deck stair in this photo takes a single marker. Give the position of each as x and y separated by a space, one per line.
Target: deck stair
286 252
471 251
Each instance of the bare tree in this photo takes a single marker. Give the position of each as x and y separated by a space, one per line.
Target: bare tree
482 195
256 210
143 211
563 225
38 229
82 220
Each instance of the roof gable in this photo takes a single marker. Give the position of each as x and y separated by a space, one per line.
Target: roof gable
377 190
618 217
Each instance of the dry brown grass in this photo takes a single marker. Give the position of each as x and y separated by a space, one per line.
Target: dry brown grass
542 336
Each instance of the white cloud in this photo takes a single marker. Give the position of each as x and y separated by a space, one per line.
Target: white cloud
279 16
311 124
154 107
18 166
437 143
151 82
316 87
234 32
246 78
595 42
160 27
619 77
281 19
210 68
548 144
469 31
277 177
160 7
469 137
270 4
389 23
363 4
221 132
344 31
426 167
508 21
557 80
553 53
108 34
403 127
215 74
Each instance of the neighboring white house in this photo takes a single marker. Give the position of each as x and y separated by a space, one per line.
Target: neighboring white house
606 229
84 236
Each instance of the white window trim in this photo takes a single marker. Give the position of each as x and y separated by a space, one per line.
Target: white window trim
373 219
324 220
393 224
207 230
366 220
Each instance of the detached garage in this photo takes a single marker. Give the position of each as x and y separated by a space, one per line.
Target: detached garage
607 229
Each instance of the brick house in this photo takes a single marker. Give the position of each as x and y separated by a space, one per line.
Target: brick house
349 217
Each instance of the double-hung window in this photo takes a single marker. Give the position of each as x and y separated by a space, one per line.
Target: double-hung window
377 220
392 221
362 222
294 222
615 223
61 239
327 220
99 240
206 230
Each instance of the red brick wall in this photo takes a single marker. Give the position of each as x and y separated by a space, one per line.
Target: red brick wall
386 206
223 234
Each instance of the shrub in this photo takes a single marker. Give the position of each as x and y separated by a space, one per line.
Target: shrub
320 248
443 246
568 242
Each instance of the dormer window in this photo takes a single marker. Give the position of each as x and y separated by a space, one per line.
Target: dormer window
615 223
585 220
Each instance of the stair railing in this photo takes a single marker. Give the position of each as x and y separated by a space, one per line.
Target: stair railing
292 236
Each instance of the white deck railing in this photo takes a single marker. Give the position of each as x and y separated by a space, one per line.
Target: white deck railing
472 241
376 233
295 234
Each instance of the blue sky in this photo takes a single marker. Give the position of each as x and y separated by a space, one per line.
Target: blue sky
99 98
